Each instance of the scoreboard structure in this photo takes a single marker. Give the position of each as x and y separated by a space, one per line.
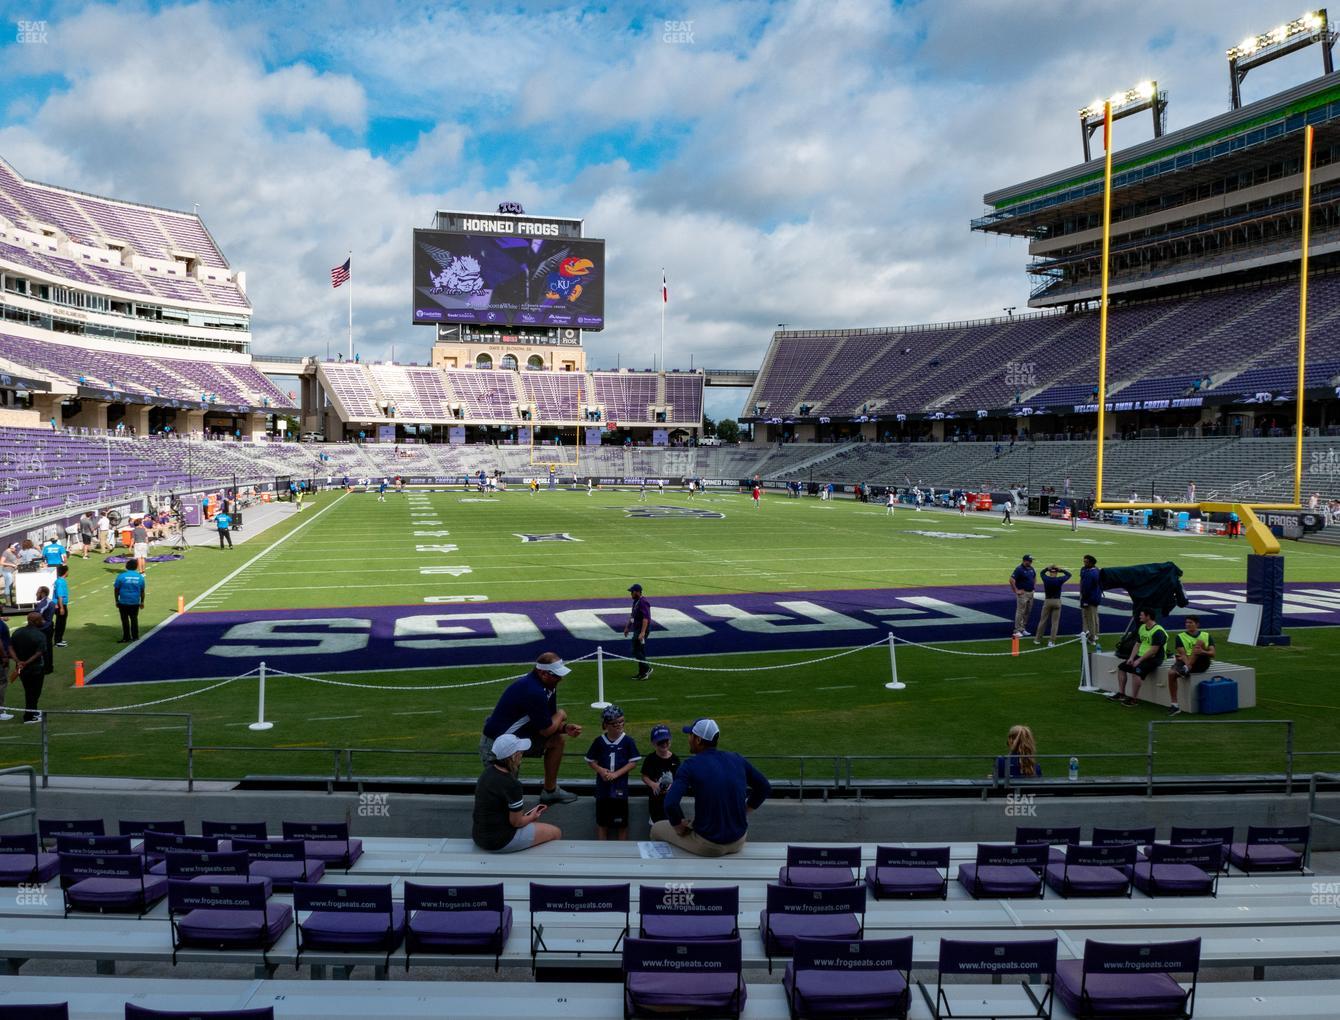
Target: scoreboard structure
508 291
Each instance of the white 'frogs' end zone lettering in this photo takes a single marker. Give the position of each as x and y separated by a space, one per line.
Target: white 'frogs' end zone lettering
295 637
589 624
455 598
446 632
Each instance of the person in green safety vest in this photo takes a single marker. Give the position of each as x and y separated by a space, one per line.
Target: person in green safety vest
1193 651
1150 648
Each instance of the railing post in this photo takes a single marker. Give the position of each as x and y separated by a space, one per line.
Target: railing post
600 701
190 757
894 684
802 780
46 748
1288 759
1149 763
260 723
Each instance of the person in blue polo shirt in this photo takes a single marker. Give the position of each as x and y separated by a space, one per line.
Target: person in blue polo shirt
53 552
528 708
725 787
60 594
224 522
129 592
1022 583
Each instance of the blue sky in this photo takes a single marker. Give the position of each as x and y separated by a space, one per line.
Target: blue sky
814 163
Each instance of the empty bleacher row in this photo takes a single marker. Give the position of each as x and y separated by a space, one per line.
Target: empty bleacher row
417 393
1157 349
572 907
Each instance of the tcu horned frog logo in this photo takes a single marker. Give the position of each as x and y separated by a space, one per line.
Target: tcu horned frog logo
460 275
668 511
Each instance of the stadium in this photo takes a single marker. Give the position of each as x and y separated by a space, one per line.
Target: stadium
854 587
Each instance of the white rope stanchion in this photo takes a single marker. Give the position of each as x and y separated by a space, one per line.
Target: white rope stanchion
894 684
600 702
1085 677
260 723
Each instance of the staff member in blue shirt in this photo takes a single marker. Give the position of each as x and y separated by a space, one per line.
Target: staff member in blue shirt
129 592
1053 579
725 787
1022 583
1090 598
53 552
60 594
529 709
224 522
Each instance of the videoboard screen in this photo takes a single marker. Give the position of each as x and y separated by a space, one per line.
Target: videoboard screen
514 281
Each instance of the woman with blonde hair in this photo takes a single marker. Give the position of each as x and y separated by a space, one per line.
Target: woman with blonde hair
1020 761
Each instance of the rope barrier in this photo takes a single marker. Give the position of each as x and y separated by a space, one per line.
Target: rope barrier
163 701
986 655
754 669
396 687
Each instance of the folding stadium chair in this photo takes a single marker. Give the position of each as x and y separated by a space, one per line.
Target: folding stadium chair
343 916
794 912
684 913
1054 836
701 977
283 861
1005 870
327 842
1130 980
109 884
909 872
820 867
1140 837
92 845
1271 848
234 830
156 845
864 977
1185 835
1093 871
456 919
230 867
1035 959
216 915
49 828
576 899
22 861
1180 870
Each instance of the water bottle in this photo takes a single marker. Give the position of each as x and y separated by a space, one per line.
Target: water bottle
1074 770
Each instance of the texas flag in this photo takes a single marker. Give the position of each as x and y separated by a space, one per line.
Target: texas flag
665 289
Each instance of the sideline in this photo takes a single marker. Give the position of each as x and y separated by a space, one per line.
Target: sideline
212 589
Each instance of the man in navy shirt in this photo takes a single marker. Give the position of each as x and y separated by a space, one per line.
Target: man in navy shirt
639 622
6 656
529 709
1022 583
1053 580
725 788
1090 598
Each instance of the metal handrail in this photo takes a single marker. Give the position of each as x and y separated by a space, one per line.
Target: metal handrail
31 809
46 736
1288 743
1313 815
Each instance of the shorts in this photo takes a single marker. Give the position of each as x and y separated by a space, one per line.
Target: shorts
1142 669
537 748
523 840
1200 664
141 551
612 812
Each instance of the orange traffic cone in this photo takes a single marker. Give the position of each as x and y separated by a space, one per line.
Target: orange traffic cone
1014 645
181 603
79 672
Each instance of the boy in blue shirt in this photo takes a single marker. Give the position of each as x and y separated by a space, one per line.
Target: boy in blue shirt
61 596
612 756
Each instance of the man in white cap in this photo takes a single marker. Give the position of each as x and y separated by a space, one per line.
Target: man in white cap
529 709
499 823
725 788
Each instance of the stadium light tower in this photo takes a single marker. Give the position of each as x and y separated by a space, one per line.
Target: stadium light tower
1144 96
1255 50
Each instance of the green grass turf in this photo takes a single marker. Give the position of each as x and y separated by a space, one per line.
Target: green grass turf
358 553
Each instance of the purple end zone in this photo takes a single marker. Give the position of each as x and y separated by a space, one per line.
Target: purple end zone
367 639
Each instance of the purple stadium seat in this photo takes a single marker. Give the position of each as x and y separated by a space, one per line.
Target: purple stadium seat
109 883
698 977
1093 871
22 861
283 861
1054 836
49 1011
911 872
1140 837
1272 848
69 846
683 912
820 867
136 830
456 919
226 831
141 1013
327 842
1180 870
157 844
1005 870
342 916
49 828
867 977
793 912
575 899
223 867
1130 980
1186 835
217 915
1035 959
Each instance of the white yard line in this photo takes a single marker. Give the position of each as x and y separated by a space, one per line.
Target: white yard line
210 591
332 718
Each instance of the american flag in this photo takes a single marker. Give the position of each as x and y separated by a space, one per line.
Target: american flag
340 274
665 289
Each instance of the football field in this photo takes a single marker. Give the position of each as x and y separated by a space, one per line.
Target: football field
391 627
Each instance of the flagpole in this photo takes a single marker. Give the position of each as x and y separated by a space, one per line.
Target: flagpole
351 304
663 303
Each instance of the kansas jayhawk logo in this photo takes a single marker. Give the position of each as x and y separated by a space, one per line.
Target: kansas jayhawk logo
565 277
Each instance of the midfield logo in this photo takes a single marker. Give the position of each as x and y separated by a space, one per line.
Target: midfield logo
946 534
555 536
668 511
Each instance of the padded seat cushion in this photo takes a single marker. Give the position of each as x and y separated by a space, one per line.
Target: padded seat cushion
112 893
905 881
16 868
1118 995
701 991
234 928
786 928
333 929
459 929
1087 880
1000 879
683 927
1172 879
841 993
815 878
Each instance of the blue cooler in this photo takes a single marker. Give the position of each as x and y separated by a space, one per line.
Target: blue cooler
1217 695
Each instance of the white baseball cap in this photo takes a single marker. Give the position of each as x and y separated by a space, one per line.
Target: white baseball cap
556 667
509 744
704 729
